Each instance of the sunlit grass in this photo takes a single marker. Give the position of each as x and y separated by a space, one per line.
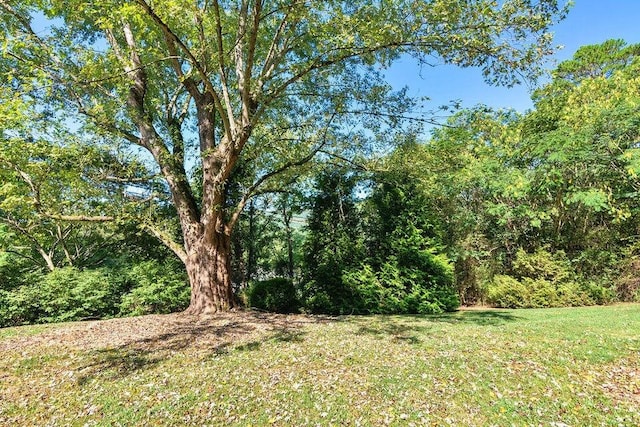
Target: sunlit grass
27 330
576 367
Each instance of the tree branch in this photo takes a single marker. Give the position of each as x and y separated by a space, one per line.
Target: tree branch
165 239
230 128
173 38
79 218
251 190
319 63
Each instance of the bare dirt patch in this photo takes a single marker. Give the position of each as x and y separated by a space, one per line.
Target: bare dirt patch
163 332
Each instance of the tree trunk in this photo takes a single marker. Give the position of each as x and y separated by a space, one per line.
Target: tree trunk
251 256
209 268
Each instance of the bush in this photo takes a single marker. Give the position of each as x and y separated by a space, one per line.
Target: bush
68 293
599 293
369 294
507 292
415 280
62 295
543 265
71 294
327 293
13 271
398 289
20 306
544 279
317 301
277 295
542 293
157 288
445 298
627 286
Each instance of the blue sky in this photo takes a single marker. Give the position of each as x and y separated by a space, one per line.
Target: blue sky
588 22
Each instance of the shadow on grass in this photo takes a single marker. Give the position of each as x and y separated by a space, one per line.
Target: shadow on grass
476 317
392 327
409 328
281 336
213 337
146 342
116 363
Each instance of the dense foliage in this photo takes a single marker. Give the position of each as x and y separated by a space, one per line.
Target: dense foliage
334 243
515 210
376 253
555 190
132 275
532 210
278 295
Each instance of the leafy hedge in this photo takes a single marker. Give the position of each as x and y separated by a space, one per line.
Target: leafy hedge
68 293
419 282
62 295
156 288
545 279
424 287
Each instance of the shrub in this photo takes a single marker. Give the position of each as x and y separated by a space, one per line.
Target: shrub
544 279
62 295
317 301
543 265
4 305
507 292
19 307
599 293
277 295
398 289
13 271
627 286
71 294
368 291
542 293
68 293
156 288
444 297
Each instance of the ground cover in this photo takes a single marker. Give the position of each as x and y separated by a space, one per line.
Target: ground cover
552 367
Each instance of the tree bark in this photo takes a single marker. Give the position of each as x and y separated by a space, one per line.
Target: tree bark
208 266
251 256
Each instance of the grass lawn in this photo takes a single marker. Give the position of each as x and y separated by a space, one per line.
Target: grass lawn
553 367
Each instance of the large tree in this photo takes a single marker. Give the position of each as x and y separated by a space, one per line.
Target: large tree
245 91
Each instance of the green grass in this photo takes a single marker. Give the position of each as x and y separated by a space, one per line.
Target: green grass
27 330
576 367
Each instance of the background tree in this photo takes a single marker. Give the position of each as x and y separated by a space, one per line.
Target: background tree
268 238
334 244
583 137
41 180
405 269
555 189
